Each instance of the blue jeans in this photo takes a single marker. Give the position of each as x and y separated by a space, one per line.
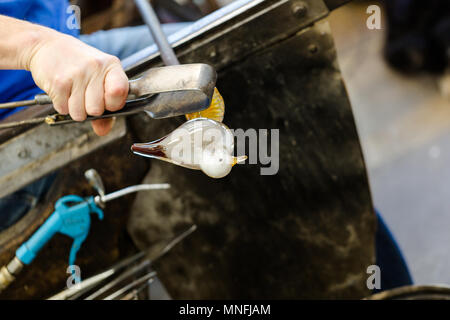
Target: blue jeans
122 43
393 267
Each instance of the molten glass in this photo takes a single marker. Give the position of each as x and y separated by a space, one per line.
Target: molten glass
199 144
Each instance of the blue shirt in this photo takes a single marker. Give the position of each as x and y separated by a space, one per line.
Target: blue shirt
18 85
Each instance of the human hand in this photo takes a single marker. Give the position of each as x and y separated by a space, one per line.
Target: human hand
79 79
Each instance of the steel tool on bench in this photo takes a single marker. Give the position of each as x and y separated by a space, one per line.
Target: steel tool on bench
72 218
96 287
216 108
160 92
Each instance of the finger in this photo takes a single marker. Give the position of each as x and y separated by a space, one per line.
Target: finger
76 102
103 126
94 97
116 88
60 95
61 103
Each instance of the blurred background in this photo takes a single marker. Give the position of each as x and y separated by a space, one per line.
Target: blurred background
403 121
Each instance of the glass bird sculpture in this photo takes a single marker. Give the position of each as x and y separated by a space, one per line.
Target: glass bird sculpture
199 144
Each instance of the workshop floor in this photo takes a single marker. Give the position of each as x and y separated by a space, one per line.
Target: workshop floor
404 126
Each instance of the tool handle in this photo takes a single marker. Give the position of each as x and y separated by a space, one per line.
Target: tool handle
76 245
131 107
71 217
29 250
43 99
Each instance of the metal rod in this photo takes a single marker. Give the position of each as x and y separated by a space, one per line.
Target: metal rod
131 285
144 264
86 284
81 287
149 16
16 104
175 241
136 188
22 123
38 100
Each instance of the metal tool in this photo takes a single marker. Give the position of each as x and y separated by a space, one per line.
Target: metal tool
147 277
151 20
160 92
138 262
95 181
72 218
80 288
38 100
142 265
216 109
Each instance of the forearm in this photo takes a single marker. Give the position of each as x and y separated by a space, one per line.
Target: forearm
79 79
18 40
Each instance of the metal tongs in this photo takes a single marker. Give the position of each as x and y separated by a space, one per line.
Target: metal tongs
161 92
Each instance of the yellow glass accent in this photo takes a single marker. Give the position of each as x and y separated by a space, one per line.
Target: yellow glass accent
237 160
215 111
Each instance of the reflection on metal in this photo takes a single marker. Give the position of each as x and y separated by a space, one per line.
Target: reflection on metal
237 30
202 25
96 181
132 189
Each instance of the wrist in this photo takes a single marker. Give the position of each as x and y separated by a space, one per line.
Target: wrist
36 36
